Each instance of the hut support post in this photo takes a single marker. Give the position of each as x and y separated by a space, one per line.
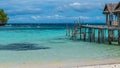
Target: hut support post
67 31
112 35
102 34
109 37
89 33
73 33
107 23
93 35
119 36
119 28
80 32
99 33
85 34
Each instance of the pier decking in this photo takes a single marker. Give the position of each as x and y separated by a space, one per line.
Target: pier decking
100 27
96 33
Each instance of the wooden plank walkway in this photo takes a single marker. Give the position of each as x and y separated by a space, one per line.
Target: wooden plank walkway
104 32
100 27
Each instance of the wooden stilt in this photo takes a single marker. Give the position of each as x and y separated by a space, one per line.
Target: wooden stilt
89 34
109 36
93 35
102 34
75 32
105 35
67 31
119 37
85 35
112 35
99 35
80 32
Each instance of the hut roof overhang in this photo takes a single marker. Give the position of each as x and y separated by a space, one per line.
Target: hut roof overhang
109 8
117 9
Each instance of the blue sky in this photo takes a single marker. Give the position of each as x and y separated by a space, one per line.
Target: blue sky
54 11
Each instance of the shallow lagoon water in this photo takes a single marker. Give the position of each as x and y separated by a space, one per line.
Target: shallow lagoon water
25 46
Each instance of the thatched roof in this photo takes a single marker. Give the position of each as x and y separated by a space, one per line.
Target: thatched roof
117 9
109 8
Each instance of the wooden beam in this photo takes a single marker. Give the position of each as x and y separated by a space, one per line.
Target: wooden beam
107 21
85 34
99 35
119 37
112 35
109 37
80 33
93 35
89 34
102 34
119 19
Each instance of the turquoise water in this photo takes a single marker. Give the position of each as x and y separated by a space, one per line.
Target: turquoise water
24 45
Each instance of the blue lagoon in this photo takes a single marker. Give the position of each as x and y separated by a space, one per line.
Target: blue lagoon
47 45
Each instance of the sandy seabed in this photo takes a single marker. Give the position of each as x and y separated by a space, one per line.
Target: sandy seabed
106 63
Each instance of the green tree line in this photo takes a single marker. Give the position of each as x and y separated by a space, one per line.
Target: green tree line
3 17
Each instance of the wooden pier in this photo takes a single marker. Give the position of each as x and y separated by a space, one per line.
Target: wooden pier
97 33
100 33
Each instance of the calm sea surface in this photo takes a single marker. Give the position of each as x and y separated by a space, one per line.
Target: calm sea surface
48 44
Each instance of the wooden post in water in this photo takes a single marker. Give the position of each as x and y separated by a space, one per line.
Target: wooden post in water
102 34
112 35
80 32
119 28
85 34
93 35
67 31
105 35
119 36
109 36
89 34
73 33
99 31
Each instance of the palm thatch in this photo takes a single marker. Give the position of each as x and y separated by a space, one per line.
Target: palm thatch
117 9
109 8
111 11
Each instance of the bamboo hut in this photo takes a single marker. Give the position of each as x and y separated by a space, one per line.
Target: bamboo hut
117 13
112 12
109 12
105 33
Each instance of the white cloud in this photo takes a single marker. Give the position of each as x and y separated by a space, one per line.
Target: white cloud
99 17
84 7
55 17
81 17
35 10
75 4
36 17
24 11
64 17
48 17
